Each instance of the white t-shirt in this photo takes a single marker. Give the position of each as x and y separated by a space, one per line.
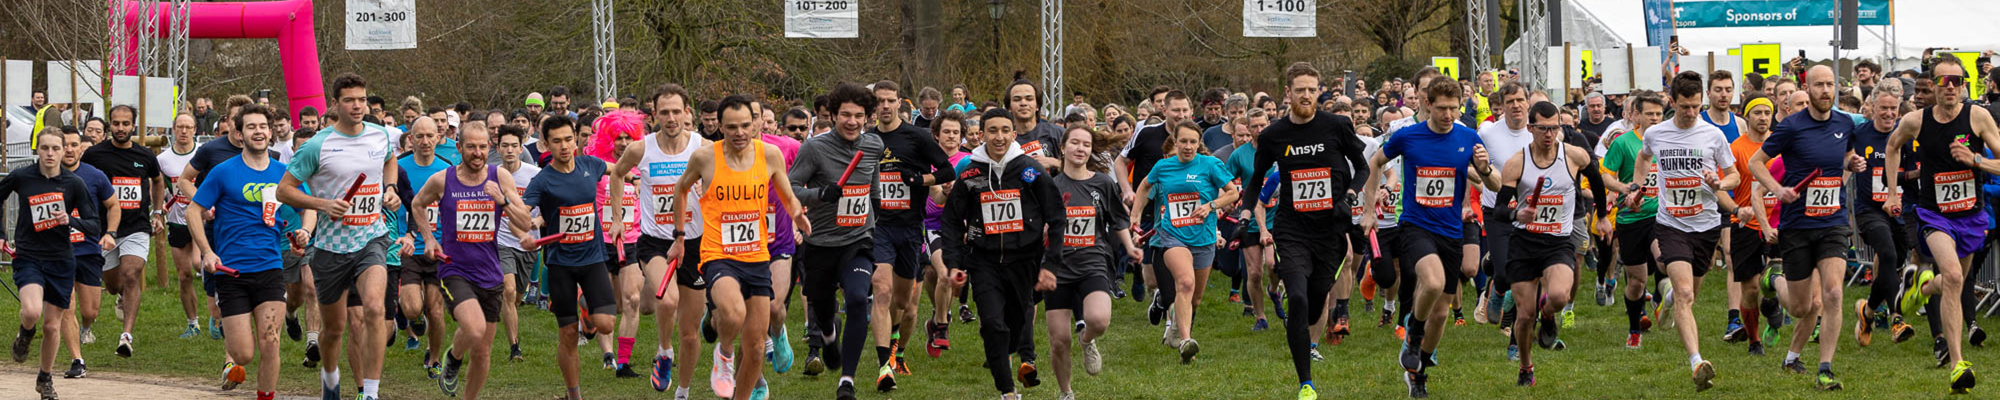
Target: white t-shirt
172 165
1501 142
1369 146
329 164
1604 138
1683 157
521 178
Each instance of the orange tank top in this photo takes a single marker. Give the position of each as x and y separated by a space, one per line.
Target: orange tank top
734 204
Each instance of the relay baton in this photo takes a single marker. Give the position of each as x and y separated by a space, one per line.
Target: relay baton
224 269
1803 183
672 265
351 190
850 170
545 240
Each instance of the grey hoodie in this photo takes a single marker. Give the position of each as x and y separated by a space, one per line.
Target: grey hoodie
821 160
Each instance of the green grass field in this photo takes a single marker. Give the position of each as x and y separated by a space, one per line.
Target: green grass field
1234 363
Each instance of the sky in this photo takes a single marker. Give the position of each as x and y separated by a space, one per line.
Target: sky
1963 24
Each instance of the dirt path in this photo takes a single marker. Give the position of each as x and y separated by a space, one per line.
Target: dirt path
19 382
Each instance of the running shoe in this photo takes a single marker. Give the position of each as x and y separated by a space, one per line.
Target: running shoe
940 341
1312 350
448 381
1545 335
1825 380
610 362
435 369
845 391
1914 298
1409 359
902 364
1387 315
1569 316
1704 376
625 371
1795 366
1976 335
1559 345
411 344
125 345
1278 303
87 336
1235 296
1666 302
707 329
1189 348
965 314
514 353
762 391
191 331
722 375
1864 332
329 393
1260 326
46 386
292 328
663 372
1513 352
214 332
1645 324
1167 336
1415 381
1401 333
76 369
312 354
885 379
1734 332
1156 311
1008 396
770 349
1757 348
1458 317
781 358
1306 392
1632 340
1027 374
1962 379
1527 377
1093 361
1771 332
1339 327
815 365
1603 296
1479 313
232 375
1940 352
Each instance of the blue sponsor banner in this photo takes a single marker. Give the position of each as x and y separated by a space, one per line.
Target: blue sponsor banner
1736 14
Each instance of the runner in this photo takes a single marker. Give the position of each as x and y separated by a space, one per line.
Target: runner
733 250
1506 138
1094 220
1257 258
1750 238
135 174
784 244
912 163
944 282
1880 231
1542 278
1436 155
45 265
242 192
89 281
227 144
576 259
1688 154
349 255
1813 234
173 164
299 291
1634 227
1948 211
1002 246
473 280
517 266
664 156
1141 154
419 291
616 131
1192 185
1721 90
839 257
1315 159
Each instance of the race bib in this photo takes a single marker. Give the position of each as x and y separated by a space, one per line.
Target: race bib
431 214
1033 148
268 199
475 221
128 191
1881 190
741 233
1954 191
1823 196
1001 209
44 209
895 193
1651 187
663 205
75 236
630 209
1180 209
1435 186
1312 190
1082 229
1683 197
1392 205
1549 218
852 210
367 207
577 223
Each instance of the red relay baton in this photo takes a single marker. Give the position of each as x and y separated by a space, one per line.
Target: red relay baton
850 170
224 269
545 240
1797 187
671 266
351 190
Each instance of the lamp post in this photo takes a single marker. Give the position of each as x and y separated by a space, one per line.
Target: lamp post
996 9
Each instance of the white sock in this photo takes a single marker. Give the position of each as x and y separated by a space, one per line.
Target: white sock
196 321
312 337
1694 361
846 380
1791 356
330 380
368 387
663 352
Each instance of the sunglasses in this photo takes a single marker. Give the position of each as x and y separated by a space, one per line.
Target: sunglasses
1950 80
797 128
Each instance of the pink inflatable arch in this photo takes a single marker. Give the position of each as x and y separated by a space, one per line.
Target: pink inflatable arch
288 21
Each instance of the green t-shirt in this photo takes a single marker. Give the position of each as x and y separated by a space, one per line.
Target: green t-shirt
1621 157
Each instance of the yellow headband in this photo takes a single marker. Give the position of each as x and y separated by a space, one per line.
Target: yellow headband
1760 101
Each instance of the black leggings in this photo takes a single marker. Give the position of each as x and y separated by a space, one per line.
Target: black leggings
1005 293
594 284
848 270
1889 243
1307 268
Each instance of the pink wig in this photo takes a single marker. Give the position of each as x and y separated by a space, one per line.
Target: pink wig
609 127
